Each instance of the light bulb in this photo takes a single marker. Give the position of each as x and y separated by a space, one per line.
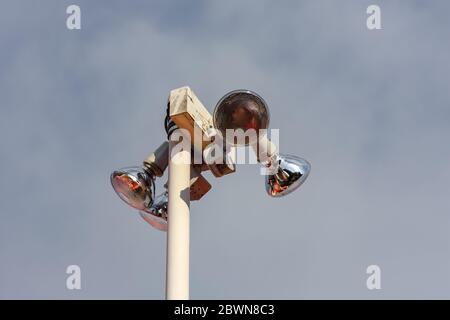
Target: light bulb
241 109
156 215
289 173
134 186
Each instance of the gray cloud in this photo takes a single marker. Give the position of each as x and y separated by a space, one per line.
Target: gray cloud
368 109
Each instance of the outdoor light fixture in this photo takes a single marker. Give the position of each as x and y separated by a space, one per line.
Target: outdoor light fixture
135 186
241 110
290 173
156 215
246 110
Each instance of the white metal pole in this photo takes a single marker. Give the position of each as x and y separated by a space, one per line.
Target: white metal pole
177 264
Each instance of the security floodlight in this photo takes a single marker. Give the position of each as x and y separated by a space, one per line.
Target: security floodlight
240 109
246 110
135 186
156 215
290 173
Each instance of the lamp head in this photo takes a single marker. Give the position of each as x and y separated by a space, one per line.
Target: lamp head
241 109
135 186
244 109
156 215
289 173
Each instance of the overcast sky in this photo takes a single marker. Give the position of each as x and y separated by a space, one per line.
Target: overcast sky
370 110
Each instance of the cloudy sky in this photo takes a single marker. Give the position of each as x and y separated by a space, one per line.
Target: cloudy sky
369 109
